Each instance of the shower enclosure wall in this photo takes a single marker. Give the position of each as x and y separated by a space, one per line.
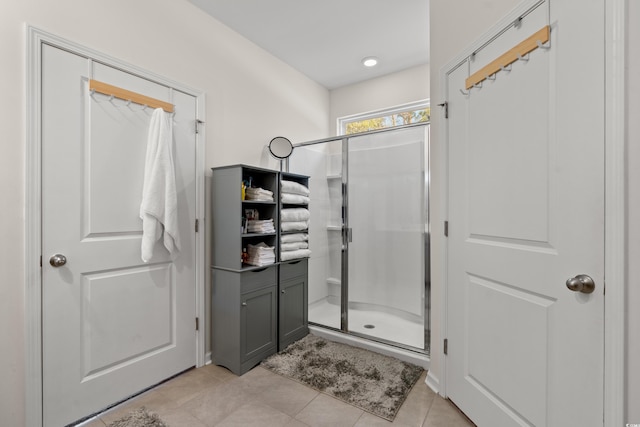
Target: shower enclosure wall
369 234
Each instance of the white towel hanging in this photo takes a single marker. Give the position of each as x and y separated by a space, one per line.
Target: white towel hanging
159 207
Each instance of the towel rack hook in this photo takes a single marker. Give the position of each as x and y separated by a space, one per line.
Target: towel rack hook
541 46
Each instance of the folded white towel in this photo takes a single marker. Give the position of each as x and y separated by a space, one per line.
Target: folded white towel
260 262
262 229
258 194
294 188
260 248
294 246
260 226
295 199
260 254
297 237
294 214
262 191
159 207
300 253
294 226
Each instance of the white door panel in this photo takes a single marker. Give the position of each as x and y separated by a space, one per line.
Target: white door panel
112 131
112 325
144 299
526 208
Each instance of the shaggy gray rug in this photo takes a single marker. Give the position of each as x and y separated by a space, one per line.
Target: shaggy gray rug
139 418
376 383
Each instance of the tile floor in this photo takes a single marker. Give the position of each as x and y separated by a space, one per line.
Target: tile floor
212 396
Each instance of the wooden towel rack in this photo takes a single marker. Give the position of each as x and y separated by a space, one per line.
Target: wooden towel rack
128 95
509 57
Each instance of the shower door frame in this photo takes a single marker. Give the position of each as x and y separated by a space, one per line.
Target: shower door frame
346 231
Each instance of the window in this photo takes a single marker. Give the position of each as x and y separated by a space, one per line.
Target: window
414 112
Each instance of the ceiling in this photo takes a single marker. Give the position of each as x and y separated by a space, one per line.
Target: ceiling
327 39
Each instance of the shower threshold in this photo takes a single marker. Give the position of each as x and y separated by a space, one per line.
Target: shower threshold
382 327
420 359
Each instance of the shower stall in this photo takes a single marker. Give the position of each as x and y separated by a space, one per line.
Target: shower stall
369 235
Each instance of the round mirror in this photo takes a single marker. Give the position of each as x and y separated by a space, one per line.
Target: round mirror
280 147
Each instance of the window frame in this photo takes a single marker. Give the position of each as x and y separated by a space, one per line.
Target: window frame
343 121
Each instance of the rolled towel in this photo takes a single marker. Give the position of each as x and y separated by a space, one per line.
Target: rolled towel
295 199
297 237
293 187
300 253
294 226
294 246
294 214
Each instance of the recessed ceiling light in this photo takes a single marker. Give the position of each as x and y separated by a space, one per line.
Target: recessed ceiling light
370 61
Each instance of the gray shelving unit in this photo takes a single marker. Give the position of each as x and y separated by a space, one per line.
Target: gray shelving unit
293 283
256 310
229 209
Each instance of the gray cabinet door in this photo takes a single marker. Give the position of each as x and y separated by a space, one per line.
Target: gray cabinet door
258 322
292 310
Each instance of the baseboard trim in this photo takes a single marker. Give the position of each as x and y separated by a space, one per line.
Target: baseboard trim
432 382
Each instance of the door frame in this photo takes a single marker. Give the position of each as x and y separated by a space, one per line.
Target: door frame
615 205
35 38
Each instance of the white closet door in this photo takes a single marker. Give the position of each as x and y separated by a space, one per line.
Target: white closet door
526 213
112 325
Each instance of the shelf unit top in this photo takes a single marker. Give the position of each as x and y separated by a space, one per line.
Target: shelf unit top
294 175
240 165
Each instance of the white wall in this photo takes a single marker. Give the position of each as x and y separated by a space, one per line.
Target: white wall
250 98
387 91
633 214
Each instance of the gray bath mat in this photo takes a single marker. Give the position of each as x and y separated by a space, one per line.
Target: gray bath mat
139 418
370 381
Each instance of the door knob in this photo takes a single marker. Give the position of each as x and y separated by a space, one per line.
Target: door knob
58 260
581 283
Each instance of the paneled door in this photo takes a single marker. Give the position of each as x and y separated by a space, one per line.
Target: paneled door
111 324
526 226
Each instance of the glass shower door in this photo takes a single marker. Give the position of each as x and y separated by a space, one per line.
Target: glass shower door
386 220
323 163
368 270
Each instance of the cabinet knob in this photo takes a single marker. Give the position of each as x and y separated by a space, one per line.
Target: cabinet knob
244 304
283 291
